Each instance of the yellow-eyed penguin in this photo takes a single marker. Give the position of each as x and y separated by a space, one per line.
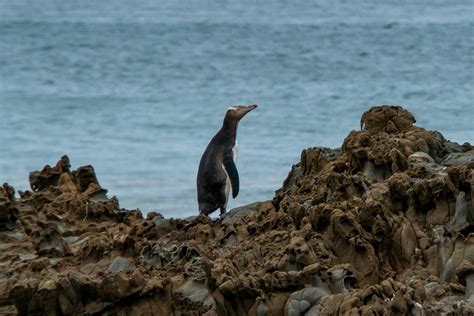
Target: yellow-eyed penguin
217 173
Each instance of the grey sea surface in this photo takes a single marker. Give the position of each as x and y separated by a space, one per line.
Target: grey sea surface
138 88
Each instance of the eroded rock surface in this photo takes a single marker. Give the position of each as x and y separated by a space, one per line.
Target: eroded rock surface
382 226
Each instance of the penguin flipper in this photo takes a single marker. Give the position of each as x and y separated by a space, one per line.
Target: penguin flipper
232 173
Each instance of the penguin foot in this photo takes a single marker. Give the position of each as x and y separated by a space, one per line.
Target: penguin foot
222 211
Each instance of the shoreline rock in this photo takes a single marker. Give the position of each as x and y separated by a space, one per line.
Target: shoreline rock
383 225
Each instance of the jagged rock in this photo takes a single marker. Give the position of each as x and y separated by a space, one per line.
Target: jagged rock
463 216
313 160
343 280
465 272
381 226
387 118
300 254
40 180
163 224
8 209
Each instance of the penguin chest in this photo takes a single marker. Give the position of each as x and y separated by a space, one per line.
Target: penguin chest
228 185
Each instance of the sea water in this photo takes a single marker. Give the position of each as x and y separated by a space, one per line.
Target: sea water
138 88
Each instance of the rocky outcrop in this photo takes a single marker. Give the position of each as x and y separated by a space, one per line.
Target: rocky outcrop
383 225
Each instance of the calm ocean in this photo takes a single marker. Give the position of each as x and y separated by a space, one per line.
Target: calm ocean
138 88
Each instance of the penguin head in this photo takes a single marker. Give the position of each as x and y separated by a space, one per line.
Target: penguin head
237 112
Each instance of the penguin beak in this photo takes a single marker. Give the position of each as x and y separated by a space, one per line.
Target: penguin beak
250 108
247 109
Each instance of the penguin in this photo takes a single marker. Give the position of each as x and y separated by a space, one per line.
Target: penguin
217 174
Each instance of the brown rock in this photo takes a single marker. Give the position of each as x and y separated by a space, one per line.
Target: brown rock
387 118
382 226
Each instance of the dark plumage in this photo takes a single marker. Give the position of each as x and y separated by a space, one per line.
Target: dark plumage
217 171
